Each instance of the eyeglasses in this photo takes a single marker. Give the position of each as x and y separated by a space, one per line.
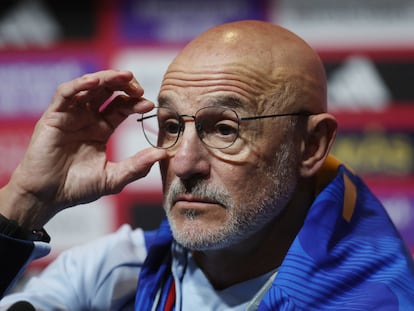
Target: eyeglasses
217 127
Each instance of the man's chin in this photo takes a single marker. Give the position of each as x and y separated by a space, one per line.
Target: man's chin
196 235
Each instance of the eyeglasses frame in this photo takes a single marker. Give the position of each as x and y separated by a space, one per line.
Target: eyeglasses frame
239 119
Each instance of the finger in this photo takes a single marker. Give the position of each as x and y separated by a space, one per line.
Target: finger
111 86
123 106
122 173
126 83
114 80
96 87
66 92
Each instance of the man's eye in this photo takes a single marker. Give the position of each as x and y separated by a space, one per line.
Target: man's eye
224 129
171 127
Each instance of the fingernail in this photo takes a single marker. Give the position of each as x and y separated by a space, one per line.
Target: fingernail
135 85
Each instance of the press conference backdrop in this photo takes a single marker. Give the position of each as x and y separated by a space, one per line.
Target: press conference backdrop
367 48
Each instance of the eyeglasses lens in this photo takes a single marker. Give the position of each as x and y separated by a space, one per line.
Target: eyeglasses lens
217 127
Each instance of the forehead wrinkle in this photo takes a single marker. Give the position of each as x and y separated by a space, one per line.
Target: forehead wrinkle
245 77
279 88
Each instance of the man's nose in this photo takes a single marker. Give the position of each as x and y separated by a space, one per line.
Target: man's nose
191 155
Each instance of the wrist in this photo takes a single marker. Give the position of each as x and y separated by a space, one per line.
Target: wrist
20 207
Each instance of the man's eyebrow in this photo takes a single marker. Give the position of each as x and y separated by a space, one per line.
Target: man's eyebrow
226 101
163 101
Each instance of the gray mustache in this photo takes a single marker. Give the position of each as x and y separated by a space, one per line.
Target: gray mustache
201 190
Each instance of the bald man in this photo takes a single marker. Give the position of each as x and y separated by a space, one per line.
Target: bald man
259 215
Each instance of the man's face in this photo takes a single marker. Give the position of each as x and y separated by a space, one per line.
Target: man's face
215 198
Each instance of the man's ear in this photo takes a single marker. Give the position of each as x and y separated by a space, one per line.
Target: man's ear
320 135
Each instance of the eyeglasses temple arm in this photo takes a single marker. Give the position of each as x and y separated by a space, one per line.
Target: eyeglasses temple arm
146 117
276 115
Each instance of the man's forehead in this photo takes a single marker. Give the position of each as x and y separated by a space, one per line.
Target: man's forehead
233 86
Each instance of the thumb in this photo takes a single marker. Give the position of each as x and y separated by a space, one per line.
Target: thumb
119 174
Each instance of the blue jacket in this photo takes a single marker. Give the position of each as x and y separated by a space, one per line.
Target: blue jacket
347 256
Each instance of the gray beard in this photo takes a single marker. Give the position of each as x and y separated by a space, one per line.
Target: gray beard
243 220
